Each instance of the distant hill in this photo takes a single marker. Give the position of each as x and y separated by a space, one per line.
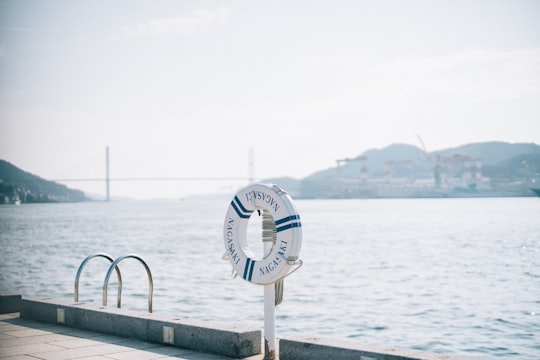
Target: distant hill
504 169
491 153
398 170
28 188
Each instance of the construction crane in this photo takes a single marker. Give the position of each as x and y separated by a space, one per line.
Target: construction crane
363 169
424 149
358 158
435 167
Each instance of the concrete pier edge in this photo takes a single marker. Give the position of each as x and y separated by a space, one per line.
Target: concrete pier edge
204 336
185 333
9 302
308 348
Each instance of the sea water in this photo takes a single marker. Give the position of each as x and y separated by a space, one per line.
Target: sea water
458 276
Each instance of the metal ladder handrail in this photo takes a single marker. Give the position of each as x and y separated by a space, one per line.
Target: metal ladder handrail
79 271
148 272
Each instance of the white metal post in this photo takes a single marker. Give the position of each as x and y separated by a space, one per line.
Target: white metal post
268 238
269 322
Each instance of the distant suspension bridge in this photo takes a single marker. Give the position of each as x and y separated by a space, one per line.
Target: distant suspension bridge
108 179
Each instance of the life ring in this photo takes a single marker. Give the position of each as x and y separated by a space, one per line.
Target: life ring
284 254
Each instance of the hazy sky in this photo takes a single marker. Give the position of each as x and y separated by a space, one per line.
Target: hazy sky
186 88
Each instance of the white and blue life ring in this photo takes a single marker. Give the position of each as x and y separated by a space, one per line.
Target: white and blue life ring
279 262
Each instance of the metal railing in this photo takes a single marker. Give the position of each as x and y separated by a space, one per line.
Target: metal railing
88 258
114 266
148 272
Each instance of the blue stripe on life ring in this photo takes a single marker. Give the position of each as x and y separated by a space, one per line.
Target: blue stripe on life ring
251 270
288 222
248 270
288 218
288 226
240 209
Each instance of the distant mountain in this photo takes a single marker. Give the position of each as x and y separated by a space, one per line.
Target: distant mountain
503 169
17 184
404 158
398 170
491 153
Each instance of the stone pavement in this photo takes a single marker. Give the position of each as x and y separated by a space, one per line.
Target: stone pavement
23 339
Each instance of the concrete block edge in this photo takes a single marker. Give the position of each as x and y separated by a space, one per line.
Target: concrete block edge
188 333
